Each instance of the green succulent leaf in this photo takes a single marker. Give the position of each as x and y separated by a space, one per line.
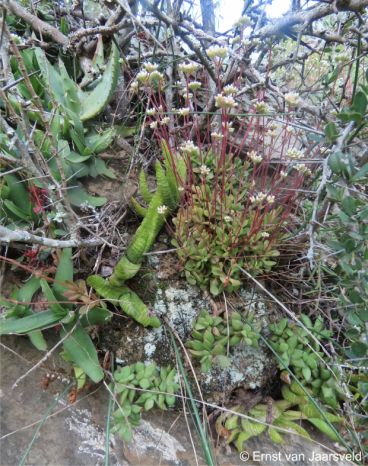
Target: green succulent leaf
81 350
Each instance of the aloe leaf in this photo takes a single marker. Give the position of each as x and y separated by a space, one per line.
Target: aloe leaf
38 340
96 316
64 272
36 321
60 85
16 211
325 428
101 168
59 311
80 377
132 305
243 437
26 292
124 270
78 196
275 436
18 193
98 142
168 194
82 352
143 187
104 288
94 102
138 208
293 426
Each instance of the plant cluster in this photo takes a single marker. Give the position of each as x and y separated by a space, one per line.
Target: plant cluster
300 349
59 108
61 296
139 388
269 417
159 205
220 230
345 231
244 173
19 206
214 336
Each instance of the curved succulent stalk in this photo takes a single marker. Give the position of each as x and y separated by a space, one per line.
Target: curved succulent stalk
160 205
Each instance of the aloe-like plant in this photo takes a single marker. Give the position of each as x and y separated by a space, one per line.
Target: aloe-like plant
84 104
63 107
16 207
21 319
159 205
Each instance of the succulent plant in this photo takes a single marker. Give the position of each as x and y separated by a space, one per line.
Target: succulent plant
160 205
156 387
212 336
302 353
221 231
269 416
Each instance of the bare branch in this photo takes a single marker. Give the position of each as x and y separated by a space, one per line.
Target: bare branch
37 24
22 236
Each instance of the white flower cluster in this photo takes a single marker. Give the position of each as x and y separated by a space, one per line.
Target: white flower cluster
226 126
283 174
342 58
189 148
151 111
223 101
215 51
162 209
184 111
134 86
303 169
145 77
150 67
261 107
256 159
165 121
188 68
264 234
292 99
194 85
230 89
244 21
262 197
204 170
295 154
216 136
246 42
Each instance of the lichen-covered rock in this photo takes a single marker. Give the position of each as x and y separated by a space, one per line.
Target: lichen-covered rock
250 368
178 304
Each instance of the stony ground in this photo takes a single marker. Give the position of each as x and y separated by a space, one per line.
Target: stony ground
73 434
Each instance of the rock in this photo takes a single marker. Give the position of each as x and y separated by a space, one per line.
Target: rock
178 304
250 368
75 435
